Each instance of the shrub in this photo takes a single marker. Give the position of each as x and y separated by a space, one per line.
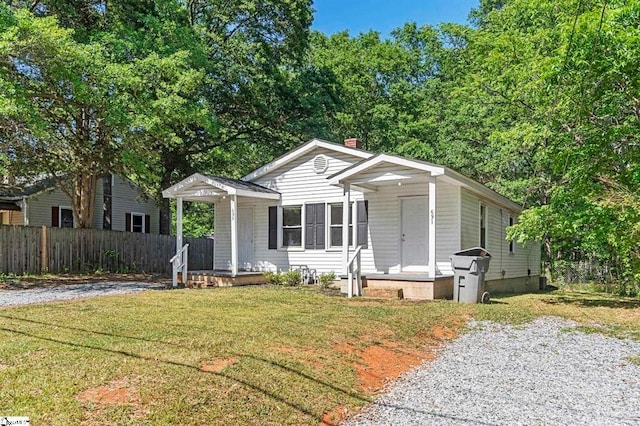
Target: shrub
291 278
327 279
273 278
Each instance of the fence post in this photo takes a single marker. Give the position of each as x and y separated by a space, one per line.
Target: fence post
44 256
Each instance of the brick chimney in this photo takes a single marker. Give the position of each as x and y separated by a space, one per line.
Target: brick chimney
353 143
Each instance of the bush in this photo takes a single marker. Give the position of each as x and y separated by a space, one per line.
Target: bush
291 278
273 278
327 279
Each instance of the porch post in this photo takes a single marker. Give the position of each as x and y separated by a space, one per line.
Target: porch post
25 211
432 226
345 237
215 207
234 235
179 225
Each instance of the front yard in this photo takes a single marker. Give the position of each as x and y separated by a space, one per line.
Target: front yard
252 355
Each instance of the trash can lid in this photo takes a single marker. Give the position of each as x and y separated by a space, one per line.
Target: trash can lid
475 252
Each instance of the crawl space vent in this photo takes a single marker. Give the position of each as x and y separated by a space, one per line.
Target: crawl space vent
320 164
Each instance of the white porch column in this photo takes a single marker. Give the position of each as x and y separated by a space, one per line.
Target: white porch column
215 207
432 227
234 235
25 211
345 235
179 225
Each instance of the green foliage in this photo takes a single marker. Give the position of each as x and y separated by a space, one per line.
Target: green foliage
291 278
288 278
326 279
273 278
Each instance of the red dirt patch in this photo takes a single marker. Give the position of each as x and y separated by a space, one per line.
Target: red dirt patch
335 416
117 392
385 361
217 365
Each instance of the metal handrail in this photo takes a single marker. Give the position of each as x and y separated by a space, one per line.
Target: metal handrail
179 262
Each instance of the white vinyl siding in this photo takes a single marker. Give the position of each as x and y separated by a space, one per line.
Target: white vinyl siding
384 226
299 184
517 264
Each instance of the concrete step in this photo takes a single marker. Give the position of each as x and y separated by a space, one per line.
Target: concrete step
383 293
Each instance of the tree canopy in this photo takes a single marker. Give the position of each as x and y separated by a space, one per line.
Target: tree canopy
538 99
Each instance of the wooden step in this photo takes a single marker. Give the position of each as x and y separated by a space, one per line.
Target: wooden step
383 293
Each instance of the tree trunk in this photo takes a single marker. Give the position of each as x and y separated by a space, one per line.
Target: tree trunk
165 206
106 202
83 201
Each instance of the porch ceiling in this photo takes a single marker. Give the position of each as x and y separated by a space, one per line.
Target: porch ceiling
209 189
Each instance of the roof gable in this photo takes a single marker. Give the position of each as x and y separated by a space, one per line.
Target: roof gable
302 150
199 187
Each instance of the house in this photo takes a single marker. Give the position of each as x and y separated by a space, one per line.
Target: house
44 204
401 218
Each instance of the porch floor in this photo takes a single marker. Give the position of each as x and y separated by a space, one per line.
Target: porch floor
223 278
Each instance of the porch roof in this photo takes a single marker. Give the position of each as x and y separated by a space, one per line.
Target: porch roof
209 188
386 169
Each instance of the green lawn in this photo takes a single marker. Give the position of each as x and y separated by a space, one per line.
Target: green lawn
252 355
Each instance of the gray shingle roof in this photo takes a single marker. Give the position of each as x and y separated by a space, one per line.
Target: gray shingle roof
242 184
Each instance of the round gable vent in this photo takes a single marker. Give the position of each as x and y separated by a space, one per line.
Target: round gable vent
320 164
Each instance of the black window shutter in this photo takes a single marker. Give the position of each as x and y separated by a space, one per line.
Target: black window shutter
127 222
273 228
310 228
363 224
147 224
314 226
320 226
55 217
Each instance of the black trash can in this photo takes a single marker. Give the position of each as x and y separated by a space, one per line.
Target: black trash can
469 267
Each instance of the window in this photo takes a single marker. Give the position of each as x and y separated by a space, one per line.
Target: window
137 222
511 245
335 228
61 217
483 226
292 226
314 226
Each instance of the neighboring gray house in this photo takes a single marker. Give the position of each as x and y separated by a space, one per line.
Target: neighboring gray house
404 219
43 204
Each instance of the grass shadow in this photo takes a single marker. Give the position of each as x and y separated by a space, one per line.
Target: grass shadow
588 300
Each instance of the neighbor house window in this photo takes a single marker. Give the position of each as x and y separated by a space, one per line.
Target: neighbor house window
483 226
511 245
335 227
292 226
137 222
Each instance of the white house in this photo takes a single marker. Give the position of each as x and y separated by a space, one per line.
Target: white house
403 219
42 203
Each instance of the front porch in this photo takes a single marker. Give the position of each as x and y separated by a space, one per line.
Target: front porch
404 286
217 278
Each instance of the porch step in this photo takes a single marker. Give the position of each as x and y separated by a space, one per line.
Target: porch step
383 293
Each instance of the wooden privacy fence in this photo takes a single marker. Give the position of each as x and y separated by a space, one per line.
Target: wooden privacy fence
30 249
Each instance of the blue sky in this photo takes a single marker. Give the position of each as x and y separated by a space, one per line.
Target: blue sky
360 16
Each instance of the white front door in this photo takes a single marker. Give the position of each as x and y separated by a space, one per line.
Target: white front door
414 238
245 238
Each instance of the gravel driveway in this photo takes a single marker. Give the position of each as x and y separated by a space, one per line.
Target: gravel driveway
72 291
542 373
